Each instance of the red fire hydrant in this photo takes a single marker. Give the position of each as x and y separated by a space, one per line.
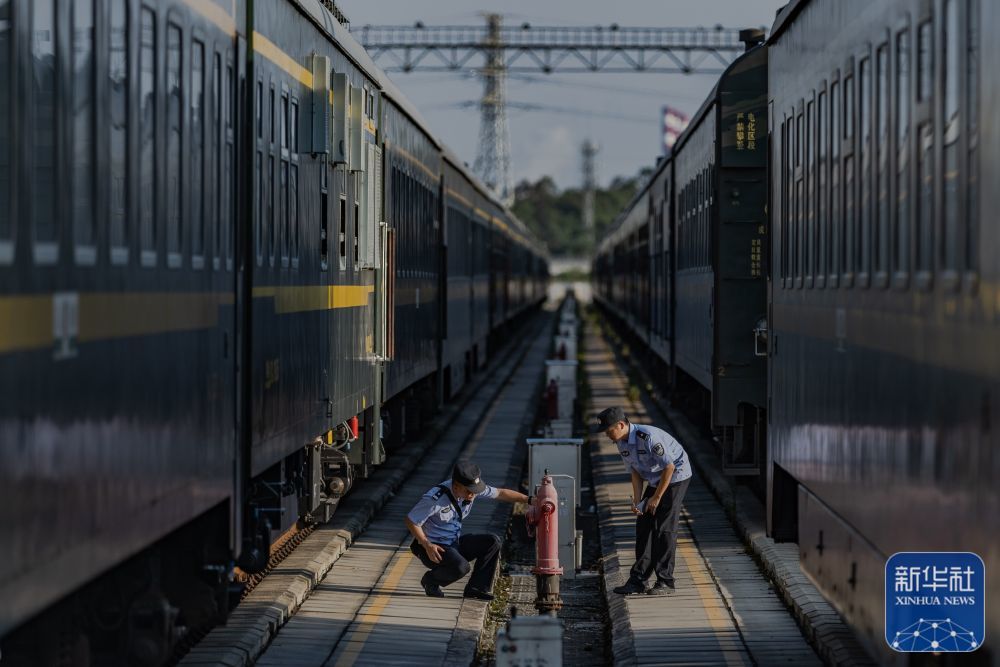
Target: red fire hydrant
543 522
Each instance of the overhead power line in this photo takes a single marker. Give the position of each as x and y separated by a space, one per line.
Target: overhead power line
549 108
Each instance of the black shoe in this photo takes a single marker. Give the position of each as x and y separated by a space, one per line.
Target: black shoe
476 594
661 588
630 587
432 589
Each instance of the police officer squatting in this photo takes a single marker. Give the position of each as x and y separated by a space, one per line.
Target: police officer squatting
654 457
436 525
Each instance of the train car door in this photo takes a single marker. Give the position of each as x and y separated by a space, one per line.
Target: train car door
739 390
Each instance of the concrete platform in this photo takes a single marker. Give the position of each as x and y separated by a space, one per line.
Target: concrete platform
331 584
725 612
370 608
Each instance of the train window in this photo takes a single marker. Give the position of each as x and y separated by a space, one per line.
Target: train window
848 106
972 106
680 220
174 190
799 134
147 137
850 206
836 222
324 220
6 219
706 197
925 155
790 196
925 62
901 235
862 249
197 154
228 98
284 218
258 183
214 190
271 111
699 213
810 194
785 195
342 237
293 127
699 218
44 133
258 199
118 131
822 202
270 221
293 185
925 195
880 242
695 249
228 215
686 228
284 120
799 209
712 184
949 243
84 231
259 107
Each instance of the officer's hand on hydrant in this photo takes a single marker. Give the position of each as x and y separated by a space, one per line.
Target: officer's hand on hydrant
434 552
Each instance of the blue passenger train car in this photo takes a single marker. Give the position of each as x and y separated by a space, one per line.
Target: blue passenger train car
236 268
885 320
876 355
682 267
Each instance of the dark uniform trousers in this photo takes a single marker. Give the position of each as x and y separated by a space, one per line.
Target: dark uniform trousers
656 535
483 548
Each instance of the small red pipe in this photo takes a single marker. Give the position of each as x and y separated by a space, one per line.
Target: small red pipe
552 400
352 424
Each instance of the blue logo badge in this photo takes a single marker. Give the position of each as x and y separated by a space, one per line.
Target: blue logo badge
934 602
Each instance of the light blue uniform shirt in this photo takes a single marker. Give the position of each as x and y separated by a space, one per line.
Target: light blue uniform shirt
648 450
436 515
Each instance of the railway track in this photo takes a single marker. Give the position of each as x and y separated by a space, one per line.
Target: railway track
362 511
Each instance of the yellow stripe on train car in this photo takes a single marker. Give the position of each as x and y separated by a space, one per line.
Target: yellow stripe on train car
272 52
303 298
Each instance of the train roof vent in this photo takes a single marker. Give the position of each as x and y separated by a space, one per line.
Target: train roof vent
337 14
752 37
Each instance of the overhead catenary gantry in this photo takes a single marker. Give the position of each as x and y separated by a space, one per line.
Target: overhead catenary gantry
495 50
554 49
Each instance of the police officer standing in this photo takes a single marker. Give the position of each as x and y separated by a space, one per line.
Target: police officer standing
436 524
652 456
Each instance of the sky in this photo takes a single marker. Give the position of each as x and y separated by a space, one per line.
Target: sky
546 142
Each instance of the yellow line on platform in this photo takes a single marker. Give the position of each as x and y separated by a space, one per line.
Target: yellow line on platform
718 619
366 622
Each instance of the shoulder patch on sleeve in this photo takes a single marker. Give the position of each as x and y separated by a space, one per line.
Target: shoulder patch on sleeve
658 449
642 434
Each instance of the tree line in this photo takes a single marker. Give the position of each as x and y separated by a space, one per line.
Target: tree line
557 216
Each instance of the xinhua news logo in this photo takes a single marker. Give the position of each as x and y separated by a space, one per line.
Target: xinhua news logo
934 602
